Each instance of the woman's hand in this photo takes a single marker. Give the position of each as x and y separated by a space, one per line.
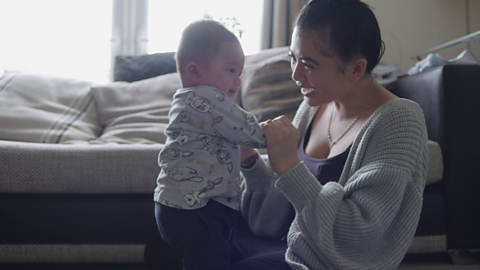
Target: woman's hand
281 137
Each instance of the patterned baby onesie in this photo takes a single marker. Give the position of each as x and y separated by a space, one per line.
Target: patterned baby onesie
201 157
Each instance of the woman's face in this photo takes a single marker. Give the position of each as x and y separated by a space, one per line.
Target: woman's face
321 77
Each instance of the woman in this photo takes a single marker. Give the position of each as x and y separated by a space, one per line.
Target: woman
344 181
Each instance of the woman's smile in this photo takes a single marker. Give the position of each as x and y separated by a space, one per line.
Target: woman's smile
308 91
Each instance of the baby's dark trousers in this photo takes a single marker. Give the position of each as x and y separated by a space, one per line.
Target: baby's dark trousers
201 235
217 237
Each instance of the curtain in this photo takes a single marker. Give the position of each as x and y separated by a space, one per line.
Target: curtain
129 29
277 22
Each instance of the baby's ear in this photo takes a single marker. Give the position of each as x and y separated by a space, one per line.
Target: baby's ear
193 71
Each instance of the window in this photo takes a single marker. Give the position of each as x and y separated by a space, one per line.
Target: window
64 38
74 38
166 21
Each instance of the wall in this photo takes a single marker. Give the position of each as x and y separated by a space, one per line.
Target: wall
410 27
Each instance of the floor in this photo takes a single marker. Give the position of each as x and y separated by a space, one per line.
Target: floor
438 262
89 266
411 262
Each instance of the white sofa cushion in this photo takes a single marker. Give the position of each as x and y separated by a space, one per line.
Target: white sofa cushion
46 109
135 112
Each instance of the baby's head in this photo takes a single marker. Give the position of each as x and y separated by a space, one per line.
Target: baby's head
209 54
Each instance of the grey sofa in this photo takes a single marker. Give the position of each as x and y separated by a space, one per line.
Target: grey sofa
77 174
78 161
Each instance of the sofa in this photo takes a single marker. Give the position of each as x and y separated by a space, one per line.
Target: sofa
449 98
78 160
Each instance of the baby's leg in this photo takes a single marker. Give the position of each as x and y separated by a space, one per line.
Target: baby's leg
200 235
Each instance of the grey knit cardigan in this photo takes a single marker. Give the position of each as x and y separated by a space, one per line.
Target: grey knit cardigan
368 218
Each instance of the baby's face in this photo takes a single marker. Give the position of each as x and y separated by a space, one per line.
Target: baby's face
225 69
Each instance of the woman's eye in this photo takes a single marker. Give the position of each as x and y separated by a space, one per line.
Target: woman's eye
291 55
307 66
232 70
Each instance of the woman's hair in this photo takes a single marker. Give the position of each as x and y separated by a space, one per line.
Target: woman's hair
348 27
200 42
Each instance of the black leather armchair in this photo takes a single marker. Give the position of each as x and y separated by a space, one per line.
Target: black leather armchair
450 98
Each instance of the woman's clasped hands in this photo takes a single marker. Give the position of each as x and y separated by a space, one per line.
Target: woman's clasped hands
281 138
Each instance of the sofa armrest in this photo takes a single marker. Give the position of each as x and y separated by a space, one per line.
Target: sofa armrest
78 168
449 97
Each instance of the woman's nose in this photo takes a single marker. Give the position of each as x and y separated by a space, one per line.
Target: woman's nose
296 72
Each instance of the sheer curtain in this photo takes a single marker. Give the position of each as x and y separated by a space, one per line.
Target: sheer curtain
130 27
278 18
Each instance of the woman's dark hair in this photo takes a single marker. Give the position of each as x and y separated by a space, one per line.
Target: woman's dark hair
349 27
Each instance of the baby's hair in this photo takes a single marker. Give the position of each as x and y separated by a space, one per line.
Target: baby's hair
200 42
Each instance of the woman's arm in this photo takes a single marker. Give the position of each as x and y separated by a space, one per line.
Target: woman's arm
265 208
263 205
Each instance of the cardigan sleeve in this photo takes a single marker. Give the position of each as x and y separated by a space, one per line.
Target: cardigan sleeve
268 212
265 208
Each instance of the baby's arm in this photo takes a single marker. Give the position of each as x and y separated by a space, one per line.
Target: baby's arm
238 125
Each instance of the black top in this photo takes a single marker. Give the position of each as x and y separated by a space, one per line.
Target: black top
325 170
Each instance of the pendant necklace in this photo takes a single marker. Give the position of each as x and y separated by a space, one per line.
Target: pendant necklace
333 143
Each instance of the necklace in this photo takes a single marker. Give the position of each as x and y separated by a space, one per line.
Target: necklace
332 143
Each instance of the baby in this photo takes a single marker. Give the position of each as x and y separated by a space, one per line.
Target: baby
198 190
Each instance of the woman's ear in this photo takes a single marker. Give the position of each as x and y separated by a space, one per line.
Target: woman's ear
193 72
357 69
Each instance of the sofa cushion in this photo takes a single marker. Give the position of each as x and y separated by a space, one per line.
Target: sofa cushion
435 163
135 112
141 67
78 168
265 54
268 90
47 109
